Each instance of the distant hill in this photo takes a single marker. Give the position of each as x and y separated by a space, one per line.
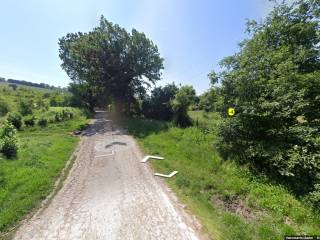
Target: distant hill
30 84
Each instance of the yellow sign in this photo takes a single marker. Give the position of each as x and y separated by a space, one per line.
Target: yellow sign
231 111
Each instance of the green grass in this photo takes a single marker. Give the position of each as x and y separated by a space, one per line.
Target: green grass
28 179
36 95
213 189
29 88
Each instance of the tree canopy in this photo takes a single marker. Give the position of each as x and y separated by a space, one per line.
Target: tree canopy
110 63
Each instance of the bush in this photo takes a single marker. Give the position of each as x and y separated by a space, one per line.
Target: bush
9 146
4 108
158 106
180 104
43 122
58 117
30 121
15 119
62 115
25 107
7 130
8 140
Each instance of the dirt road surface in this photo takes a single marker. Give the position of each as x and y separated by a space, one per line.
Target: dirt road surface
109 194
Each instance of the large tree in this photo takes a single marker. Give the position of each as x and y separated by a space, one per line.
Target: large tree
274 82
110 63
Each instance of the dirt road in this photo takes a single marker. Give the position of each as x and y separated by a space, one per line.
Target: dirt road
109 195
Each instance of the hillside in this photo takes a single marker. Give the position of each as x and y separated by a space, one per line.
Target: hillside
28 84
36 99
44 145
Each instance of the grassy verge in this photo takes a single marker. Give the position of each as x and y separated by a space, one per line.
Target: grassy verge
230 201
28 179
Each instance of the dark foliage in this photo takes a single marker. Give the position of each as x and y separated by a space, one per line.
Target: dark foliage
43 122
15 119
158 105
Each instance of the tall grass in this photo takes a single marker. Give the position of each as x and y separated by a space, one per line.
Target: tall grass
231 201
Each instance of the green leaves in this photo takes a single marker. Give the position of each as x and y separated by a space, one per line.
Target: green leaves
8 140
180 104
274 82
109 63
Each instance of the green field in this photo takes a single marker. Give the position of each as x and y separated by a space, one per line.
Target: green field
230 201
37 97
28 179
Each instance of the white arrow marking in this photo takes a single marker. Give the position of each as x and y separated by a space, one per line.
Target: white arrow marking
146 158
167 176
105 155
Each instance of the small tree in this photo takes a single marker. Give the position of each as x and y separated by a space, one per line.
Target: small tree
8 140
211 100
158 105
180 105
25 107
15 119
4 108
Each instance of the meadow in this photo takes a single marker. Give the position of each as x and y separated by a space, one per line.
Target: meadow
28 178
231 201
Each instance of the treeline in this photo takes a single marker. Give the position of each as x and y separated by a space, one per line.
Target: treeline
30 84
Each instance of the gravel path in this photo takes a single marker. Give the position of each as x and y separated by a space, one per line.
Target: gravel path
109 195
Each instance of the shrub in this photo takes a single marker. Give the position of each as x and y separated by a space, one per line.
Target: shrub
43 122
180 104
9 146
67 114
29 121
158 106
58 117
7 130
8 140
25 107
63 115
15 119
4 108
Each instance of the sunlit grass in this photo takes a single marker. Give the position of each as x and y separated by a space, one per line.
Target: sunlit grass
205 183
29 178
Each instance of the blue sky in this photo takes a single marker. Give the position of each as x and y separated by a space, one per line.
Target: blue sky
192 35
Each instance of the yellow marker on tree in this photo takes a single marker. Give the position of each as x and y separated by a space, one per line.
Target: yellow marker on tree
231 111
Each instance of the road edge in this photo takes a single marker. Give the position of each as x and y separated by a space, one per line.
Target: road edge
58 184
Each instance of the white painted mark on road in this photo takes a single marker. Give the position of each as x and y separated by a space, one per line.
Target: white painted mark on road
166 176
105 155
146 158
